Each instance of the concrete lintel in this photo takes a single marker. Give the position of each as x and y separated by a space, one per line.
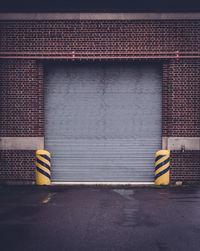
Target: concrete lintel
21 143
181 143
98 16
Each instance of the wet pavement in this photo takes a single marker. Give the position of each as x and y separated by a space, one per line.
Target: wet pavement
99 218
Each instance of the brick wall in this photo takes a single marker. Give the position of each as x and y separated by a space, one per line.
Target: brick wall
22 115
181 114
185 166
21 91
181 98
21 103
102 35
17 167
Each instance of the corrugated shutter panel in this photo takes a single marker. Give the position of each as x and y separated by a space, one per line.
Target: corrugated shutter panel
103 122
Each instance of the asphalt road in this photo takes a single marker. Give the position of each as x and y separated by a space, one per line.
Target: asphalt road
82 218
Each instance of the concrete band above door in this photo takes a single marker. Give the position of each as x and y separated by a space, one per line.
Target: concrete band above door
98 16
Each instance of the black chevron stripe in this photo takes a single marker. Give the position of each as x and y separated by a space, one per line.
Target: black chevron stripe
43 172
159 157
161 173
162 164
45 157
43 164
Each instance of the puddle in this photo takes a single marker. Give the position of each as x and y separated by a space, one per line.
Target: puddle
48 198
129 217
126 193
130 207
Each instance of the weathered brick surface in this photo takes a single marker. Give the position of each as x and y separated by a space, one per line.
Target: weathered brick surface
185 166
181 98
80 35
17 167
22 93
21 102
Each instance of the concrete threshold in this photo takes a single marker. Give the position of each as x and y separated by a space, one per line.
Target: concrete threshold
103 183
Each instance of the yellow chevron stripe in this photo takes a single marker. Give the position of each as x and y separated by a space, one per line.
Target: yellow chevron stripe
163 179
162 152
43 152
161 160
42 179
162 168
43 168
44 160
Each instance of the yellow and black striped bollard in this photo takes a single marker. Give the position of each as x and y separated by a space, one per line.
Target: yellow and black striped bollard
43 167
162 165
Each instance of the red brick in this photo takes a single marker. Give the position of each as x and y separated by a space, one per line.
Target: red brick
22 93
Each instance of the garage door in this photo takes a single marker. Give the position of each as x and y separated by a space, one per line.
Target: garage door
102 122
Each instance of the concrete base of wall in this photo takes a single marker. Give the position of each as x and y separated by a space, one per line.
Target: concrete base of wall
181 143
21 143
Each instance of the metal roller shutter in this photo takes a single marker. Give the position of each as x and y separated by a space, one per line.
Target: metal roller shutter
103 122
